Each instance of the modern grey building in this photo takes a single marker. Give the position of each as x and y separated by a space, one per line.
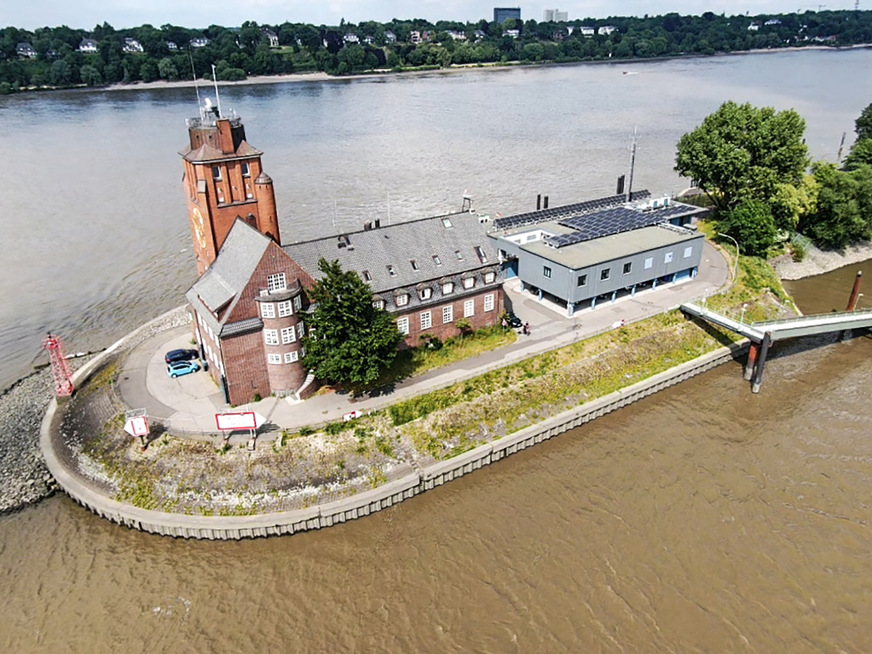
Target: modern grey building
584 254
502 14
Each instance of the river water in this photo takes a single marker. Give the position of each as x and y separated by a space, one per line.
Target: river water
703 519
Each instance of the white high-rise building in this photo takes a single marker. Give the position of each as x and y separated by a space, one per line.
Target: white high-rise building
554 16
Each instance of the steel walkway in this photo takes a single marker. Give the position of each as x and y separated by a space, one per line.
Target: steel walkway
780 330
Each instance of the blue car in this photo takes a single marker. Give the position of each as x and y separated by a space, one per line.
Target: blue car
180 368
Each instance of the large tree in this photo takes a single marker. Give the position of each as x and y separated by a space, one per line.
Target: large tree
844 207
351 341
741 152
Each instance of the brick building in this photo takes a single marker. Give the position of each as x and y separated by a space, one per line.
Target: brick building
250 302
428 273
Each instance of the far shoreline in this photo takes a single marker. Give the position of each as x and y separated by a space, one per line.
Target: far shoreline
320 76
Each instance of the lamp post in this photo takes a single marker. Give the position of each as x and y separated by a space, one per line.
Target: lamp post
736 265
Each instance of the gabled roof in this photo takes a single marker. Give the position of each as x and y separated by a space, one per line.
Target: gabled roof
237 260
208 153
396 246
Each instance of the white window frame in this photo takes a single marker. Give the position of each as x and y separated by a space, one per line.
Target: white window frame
289 335
668 257
489 302
286 309
276 282
447 288
403 325
267 310
298 302
378 304
469 308
273 358
246 169
291 357
426 320
469 282
301 329
448 314
688 251
402 299
489 277
271 336
426 293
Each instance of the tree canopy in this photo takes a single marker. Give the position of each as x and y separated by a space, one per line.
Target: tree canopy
741 152
350 341
844 207
752 225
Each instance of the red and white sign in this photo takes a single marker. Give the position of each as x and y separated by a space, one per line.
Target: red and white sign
242 420
348 417
137 426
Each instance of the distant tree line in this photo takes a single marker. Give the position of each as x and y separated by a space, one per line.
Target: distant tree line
170 52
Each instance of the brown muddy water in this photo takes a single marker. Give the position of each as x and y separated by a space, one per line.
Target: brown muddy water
704 519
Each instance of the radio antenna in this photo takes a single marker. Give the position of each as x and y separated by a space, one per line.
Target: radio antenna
194 75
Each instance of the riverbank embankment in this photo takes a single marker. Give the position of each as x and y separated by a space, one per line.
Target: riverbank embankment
818 262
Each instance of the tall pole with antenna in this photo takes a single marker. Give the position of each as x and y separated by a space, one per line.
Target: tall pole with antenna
841 145
632 166
217 97
194 77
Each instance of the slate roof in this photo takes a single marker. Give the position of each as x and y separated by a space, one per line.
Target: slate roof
225 279
400 244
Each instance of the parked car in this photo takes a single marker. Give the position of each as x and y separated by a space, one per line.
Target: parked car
179 368
181 355
514 321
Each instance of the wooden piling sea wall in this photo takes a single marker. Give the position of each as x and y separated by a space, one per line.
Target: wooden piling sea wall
365 503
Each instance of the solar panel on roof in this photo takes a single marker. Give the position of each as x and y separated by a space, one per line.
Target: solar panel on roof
579 208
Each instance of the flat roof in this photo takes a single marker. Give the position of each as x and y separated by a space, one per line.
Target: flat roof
607 248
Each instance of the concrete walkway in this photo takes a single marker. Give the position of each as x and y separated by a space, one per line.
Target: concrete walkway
187 405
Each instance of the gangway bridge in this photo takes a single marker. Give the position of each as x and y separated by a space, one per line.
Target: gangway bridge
763 334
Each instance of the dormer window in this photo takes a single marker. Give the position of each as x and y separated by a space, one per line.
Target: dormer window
277 282
489 277
392 271
469 282
426 293
378 304
402 299
447 288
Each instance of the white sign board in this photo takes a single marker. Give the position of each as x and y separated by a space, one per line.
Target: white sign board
137 426
242 420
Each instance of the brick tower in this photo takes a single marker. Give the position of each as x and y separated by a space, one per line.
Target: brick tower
224 180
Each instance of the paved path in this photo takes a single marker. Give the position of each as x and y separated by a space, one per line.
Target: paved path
187 405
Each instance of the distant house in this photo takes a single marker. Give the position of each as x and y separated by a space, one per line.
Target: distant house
771 22
369 39
390 37
513 33
605 30
457 36
273 38
132 46
479 35
200 42
415 36
88 46
586 30
171 45
753 27
25 50
351 39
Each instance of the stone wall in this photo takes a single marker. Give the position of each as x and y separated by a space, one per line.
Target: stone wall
361 504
